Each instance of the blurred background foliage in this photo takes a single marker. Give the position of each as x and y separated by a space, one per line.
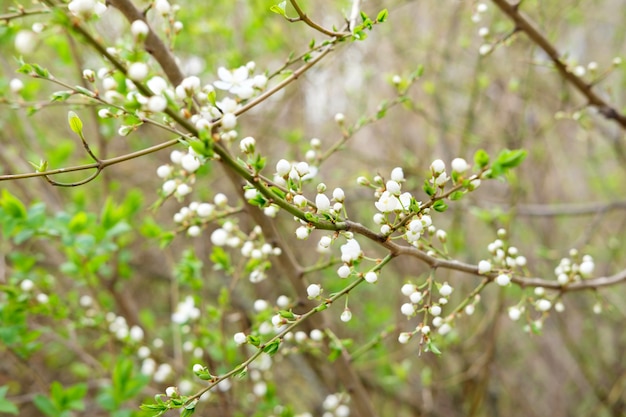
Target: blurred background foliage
102 239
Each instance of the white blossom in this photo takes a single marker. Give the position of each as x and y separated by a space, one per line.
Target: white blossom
240 338
503 280
350 251
322 202
314 290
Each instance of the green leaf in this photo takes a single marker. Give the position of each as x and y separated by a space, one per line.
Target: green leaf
508 159
61 95
254 340
440 206
287 314
75 123
481 158
221 259
279 8
12 205
6 406
188 411
45 405
79 222
457 195
434 349
428 188
272 347
382 15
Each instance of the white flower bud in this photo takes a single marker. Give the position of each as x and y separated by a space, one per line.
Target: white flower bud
283 167
229 121
137 71
240 338
445 290
346 316
343 271
339 195
407 309
371 277
322 202
404 337
25 41
190 163
194 231
303 232
139 29
397 174
484 267
219 237
459 165
437 166
407 289
415 297
543 304
169 186
314 290
183 189
503 280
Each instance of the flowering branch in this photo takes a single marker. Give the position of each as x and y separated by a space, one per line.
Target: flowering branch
593 99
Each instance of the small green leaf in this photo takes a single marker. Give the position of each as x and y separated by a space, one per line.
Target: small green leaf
382 15
440 206
254 340
75 123
12 205
434 349
188 411
510 159
287 314
272 347
457 195
61 95
6 406
428 188
279 8
84 91
481 158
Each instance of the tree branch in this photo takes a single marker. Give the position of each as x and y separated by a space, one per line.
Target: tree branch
593 99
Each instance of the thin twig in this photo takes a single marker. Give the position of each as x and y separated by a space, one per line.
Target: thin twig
304 18
593 99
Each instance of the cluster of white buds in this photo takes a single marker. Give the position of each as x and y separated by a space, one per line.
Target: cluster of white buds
86 8
336 405
186 311
179 175
119 327
293 174
574 268
504 258
252 247
417 303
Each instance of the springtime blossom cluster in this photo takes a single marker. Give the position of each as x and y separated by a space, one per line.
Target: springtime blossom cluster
86 8
186 311
418 303
505 259
179 175
335 405
574 268
252 246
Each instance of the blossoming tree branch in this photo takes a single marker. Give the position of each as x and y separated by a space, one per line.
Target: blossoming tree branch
223 330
